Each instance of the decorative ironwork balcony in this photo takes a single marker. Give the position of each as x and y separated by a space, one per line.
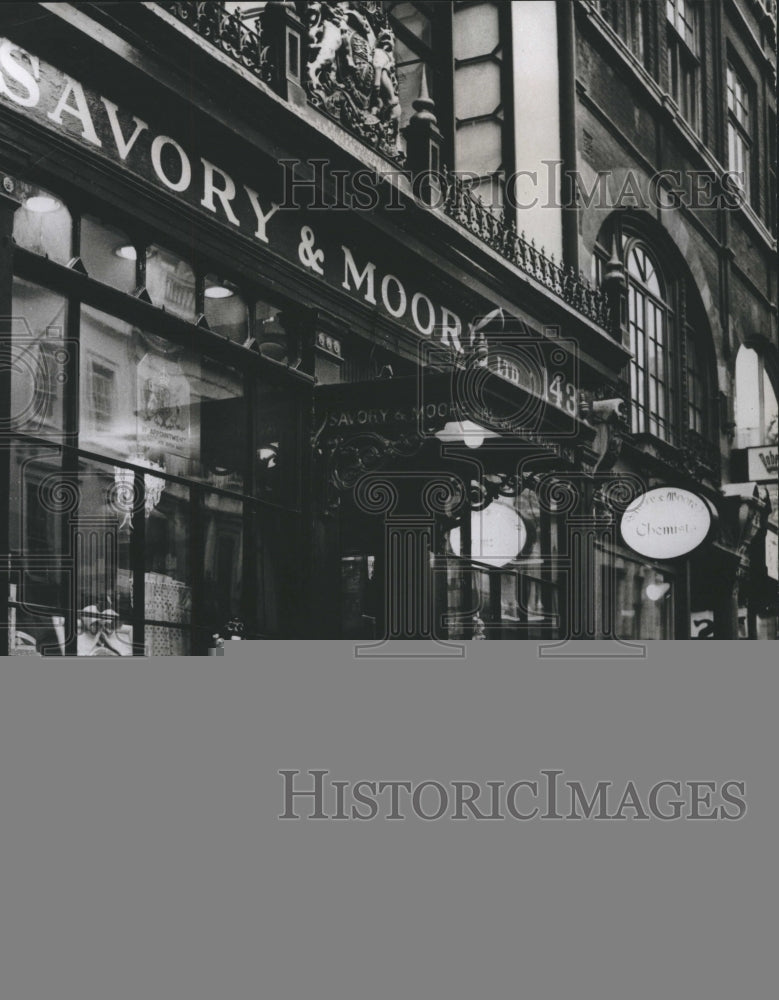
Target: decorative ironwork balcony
470 212
225 29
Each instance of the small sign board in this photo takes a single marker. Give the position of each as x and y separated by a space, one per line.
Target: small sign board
666 523
763 463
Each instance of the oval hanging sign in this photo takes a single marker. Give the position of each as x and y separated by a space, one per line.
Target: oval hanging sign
666 523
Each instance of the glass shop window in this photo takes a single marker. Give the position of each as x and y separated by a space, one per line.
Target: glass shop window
43 224
108 254
41 356
504 585
478 102
272 337
222 560
166 640
643 598
413 48
170 282
167 583
159 405
277 434
39 506
225 310
276 570
359 597
102 540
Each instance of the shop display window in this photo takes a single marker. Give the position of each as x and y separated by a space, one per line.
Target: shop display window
223 525
170 282
167 588
39 503
102 535
147 400
41 353
225 309
108 254
271 335
643 600
502 585
277 462
43 224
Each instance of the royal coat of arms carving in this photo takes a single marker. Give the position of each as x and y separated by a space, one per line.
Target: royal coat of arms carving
351 72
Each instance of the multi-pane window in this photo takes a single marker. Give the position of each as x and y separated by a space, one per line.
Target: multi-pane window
479 103
682 14
668 386
696 388
412 24
653 399
683 59
739 130
627 18
101 396
515 594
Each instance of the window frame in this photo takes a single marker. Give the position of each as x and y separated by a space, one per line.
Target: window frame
684 60
436 58
740 132
662 421
686 363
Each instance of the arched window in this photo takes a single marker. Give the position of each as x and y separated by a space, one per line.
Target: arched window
653 399
669 385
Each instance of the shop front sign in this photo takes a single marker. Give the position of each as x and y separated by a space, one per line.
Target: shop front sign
666 523
254 201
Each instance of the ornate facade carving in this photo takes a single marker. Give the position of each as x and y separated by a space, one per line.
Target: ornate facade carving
350 71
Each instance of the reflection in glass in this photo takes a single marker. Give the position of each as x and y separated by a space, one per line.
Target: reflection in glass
226 311
102 540
38 511
476 30
167 583
167 589
277 467
271 335
170 282
409 62
516 598
222 559
644 601
276 571
43 225
359 610
145 400
107 254
40 358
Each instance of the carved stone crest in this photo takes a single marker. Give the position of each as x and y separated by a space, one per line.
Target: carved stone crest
350 71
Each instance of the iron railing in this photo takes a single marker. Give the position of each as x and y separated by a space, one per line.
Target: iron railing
225 29
468 209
